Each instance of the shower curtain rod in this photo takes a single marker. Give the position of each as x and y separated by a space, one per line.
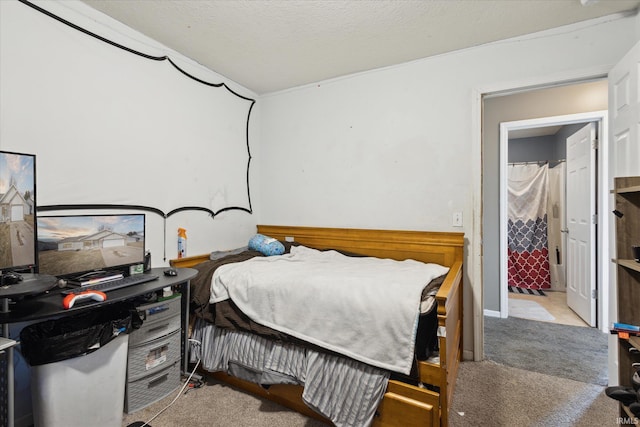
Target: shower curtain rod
539 162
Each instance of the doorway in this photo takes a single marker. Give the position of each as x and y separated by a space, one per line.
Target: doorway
544 332
561 254
496 107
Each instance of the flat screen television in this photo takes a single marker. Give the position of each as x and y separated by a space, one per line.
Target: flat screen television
18 249
73 246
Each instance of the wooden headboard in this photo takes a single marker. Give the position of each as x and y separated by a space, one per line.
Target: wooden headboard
443 248
438 247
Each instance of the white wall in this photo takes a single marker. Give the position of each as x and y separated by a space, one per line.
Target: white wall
392 148
111 127
60 99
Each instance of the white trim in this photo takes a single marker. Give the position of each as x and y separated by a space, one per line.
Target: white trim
492 313
474 256
504 158
604 207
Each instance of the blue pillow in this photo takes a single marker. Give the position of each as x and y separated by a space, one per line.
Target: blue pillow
266 245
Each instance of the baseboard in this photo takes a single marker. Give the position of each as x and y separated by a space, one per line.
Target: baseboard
491 313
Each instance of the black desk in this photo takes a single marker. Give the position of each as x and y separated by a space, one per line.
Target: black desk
32 302
38 297
32 284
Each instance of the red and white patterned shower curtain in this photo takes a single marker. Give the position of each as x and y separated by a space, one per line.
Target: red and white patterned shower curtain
528 250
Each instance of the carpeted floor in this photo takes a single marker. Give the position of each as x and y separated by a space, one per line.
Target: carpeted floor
218 405
540 375
571 352
490 394
486 394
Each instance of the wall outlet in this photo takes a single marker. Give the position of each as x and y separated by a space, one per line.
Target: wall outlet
456 219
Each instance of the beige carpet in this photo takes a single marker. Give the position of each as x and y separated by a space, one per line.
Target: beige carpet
218 405
487 394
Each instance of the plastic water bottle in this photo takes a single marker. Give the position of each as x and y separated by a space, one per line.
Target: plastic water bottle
182 243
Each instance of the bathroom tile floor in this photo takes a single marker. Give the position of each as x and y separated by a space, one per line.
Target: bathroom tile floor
556 304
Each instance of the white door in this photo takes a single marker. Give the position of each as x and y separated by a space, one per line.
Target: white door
624 113
581 228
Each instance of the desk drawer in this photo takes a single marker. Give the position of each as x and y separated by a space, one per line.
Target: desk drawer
153 330
160 318
160 310
151 388
153 356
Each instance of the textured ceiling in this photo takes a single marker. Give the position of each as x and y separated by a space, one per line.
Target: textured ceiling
268 46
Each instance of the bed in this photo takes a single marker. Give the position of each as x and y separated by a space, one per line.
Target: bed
404 402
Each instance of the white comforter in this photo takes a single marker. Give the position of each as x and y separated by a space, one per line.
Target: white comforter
362 307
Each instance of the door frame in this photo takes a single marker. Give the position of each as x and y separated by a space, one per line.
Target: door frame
602 202
474 257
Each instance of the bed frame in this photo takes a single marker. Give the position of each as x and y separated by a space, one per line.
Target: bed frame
403 404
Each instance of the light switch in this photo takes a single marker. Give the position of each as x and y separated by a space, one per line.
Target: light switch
456 220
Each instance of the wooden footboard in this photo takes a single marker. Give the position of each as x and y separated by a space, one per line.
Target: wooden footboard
444 374
403 404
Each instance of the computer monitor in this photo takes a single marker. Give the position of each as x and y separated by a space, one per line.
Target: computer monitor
18 249
70 246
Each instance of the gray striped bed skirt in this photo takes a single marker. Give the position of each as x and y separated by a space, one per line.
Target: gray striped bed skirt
341 389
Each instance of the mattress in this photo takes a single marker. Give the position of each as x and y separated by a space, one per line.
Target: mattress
225 314
341 389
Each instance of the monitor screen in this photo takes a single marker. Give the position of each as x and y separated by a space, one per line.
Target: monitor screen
17 211
72 245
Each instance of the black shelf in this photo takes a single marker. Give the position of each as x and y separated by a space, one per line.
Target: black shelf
27 307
